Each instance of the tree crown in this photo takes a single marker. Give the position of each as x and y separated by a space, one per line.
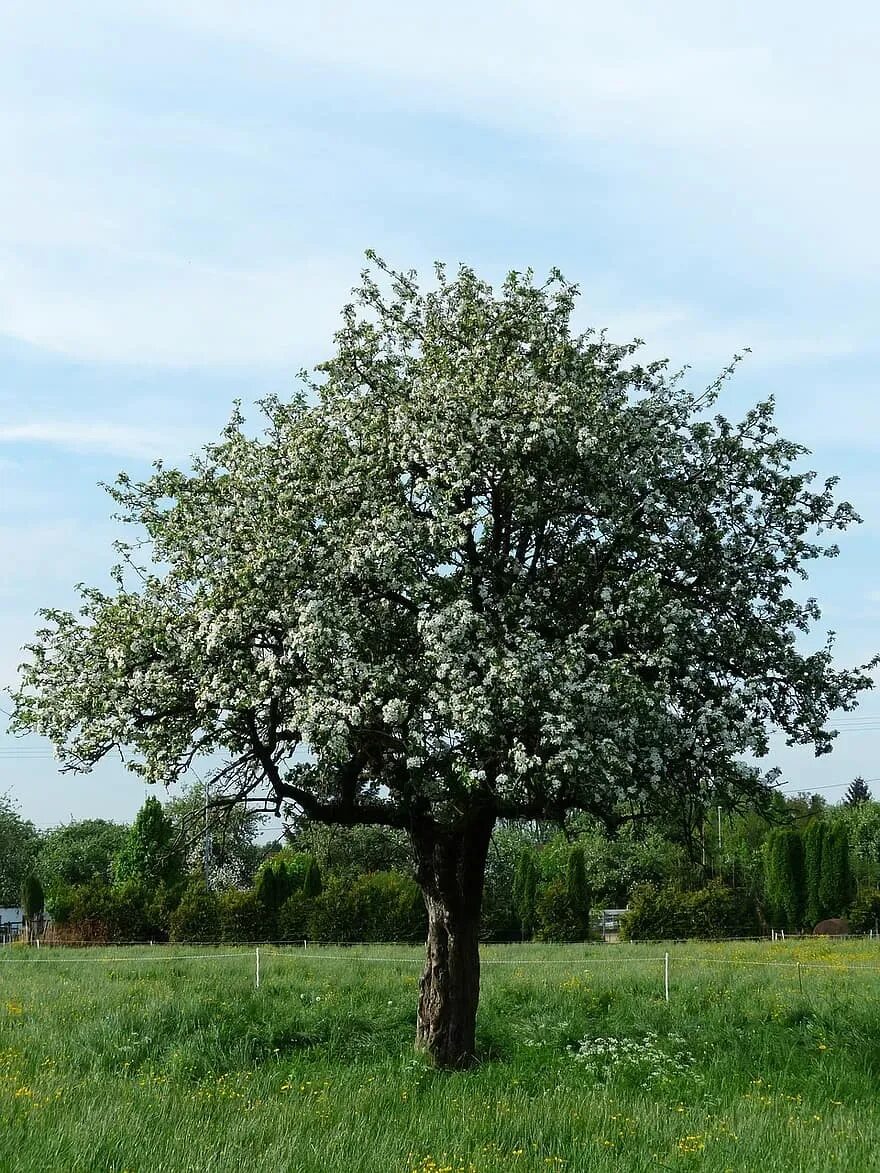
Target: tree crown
480 563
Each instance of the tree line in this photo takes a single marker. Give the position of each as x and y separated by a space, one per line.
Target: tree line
787 867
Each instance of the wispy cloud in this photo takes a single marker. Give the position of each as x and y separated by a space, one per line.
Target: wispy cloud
79 435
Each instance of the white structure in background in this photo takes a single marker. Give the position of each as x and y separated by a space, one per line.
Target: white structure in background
11 921
609 923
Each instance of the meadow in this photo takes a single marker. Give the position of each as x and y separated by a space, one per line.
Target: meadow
146 1060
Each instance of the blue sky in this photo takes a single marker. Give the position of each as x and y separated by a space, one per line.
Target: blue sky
188 190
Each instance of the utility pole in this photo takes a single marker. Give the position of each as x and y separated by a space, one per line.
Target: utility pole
206 846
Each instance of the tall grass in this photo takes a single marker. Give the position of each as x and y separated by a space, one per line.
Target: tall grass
151 1061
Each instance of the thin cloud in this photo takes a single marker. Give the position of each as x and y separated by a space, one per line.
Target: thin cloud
85 436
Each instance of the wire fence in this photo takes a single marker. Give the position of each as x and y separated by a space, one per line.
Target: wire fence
309 952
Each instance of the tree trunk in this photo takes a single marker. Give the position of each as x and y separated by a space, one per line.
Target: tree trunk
451 870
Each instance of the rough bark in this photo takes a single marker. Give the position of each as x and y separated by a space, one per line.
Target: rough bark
451 870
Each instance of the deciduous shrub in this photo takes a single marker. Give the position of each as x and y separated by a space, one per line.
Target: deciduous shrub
555 919
864 916
242 916
380 906
297 918
197 917
668 913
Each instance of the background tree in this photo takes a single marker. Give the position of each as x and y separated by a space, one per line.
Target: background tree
80 852
350 850
481 567
835 883
151 852
32 904
311 884
578 891
19 845
857 792
235 851
784 870
863 828
814 844
525 891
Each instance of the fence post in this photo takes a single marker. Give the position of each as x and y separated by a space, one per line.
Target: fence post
666 975
800 978
258 967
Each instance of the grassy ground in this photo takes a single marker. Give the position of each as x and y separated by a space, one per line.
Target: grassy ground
152 1064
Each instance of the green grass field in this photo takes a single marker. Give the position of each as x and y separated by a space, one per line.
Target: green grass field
166 1059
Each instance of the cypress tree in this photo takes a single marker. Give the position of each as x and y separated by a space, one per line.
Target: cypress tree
266 887
835 881
525 890
32 902
578 891
784 876
312 885
814 840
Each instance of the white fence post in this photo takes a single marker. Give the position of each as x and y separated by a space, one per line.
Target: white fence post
258 967
666 975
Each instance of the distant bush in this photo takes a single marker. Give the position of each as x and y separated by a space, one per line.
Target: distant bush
865 912
667 913
379 906
242 916
387 906
555 918
197 917
296 918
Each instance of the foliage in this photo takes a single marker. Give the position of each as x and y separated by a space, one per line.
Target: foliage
835 884
578 892
463 516
97 911
78 853
379 906
555 918
197 916
299 920
32 898
151 853
864 915
32 902
500 920
784 877
814 841
311 883
525 890
857 792
19 845
863 828
351 851
670 913
242 916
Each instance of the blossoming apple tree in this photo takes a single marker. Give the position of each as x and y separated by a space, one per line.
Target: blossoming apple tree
480 567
